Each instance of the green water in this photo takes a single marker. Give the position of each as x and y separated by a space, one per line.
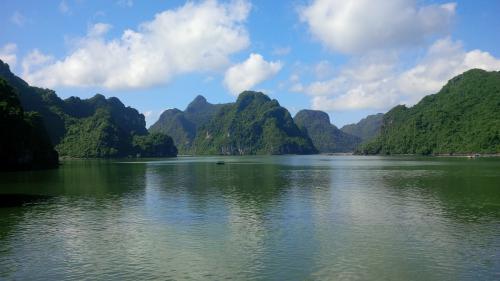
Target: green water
254 218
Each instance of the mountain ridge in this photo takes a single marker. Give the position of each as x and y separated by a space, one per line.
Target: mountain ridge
367 128
326 137
462 118
89 128
254 124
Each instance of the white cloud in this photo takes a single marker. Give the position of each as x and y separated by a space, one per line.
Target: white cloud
18 19
64 7
323 69
98 29
125 3
245 75
150 117
281 51
34 59
379 83
199 36
8 54
444 60
364 25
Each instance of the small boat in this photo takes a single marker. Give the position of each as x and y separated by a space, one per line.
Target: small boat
220 163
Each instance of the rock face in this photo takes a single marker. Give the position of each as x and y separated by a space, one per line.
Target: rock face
24 143
182 126
366 129
464 117
95 127
254 124
325 136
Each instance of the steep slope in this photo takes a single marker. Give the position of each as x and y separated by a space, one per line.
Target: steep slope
183 125
325 136
24 143
464 117
366 129
43 101
95 127
254 124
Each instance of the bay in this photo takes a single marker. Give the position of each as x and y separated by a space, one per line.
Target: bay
254 218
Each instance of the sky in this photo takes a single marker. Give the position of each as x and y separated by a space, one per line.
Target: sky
347 58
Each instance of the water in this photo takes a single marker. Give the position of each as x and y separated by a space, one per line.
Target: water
254 218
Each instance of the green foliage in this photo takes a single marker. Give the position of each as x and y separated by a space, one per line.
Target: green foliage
325 136
95 136
24 143
255 124
367 129
464 117
154 145
182 126
89 128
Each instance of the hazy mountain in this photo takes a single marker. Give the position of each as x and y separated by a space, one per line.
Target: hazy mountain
254 124
325 136
367 128
464 117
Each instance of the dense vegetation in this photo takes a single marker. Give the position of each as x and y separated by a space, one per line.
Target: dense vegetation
464 117
183 125
254 124
95 127
24 143
367 129
154 145
325 136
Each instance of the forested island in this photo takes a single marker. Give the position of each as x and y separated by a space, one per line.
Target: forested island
326 137
25 143
81 128
462 118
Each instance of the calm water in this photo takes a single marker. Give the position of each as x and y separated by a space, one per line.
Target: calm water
255 218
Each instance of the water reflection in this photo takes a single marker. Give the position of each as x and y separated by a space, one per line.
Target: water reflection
279 218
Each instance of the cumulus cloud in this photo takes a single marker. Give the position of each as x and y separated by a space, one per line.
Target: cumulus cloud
8 54
34 59
364 25
245 75
198 36
379 83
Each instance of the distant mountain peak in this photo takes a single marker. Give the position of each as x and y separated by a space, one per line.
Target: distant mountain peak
182 125
367 128
316 114
325 136
198 103
200 98
252 95
4 65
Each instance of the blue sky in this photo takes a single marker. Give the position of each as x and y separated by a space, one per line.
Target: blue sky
348 58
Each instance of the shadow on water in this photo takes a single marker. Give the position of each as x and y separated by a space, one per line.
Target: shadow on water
466 190
254 218
16 200
96 178
452 206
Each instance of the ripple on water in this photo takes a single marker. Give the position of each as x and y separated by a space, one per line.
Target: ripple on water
256 218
